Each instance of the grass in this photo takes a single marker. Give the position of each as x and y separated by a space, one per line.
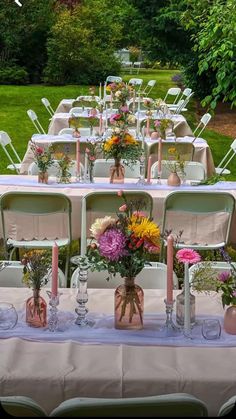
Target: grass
16 100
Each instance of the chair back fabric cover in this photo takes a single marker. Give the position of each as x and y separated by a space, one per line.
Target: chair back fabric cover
167 405
21 406
199 212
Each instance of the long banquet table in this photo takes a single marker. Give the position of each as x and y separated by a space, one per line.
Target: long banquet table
25 227
202 152
52 367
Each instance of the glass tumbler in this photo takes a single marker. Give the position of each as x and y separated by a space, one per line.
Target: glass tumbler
211 329
8 316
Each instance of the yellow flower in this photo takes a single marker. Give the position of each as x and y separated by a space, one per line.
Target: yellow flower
172 150
129 139
108 145
143 228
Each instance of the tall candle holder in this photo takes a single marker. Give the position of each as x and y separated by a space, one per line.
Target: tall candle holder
82 294
53 311
170 329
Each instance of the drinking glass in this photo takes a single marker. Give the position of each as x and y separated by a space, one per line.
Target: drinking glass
211 329
8 316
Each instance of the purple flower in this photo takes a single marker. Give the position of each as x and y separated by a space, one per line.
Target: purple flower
224 276
234 294
112 244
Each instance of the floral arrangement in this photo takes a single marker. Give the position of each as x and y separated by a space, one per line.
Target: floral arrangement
74 122
120 91
65 163
43 156
123 244
92 150
37 268
206 279
174 161
149 105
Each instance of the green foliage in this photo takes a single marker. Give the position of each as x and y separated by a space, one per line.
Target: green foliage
82 43
212 24
13 74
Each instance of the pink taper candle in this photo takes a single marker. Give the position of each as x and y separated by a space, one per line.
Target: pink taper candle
148 126
100 124
170 263
78 156
159 155
54 269
149 169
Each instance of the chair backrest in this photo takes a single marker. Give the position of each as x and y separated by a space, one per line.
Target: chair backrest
21 406
205 215
135 82
202 125
167 405
11 273
149 87
33 117
47 105
152 276
228 157
228 407
186 92
102 202
113 79
9 150
184 149
181 106
84 132
102 168
76 110
35 203
193 170
173 91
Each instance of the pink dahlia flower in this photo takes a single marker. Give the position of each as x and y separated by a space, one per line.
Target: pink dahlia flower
112 244
224 276
188 256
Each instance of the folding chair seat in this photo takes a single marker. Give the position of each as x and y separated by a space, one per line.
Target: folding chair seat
174 92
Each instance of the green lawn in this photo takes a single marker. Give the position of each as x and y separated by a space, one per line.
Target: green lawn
15 100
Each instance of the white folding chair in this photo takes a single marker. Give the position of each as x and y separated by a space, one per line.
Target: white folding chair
37 204
11 273
181 105
228 408
34 119
102 168
174 92
136 83
152 276
84 132
148 87
193 170
47 105
196 214
10 152
186 92
221 169
202 125
113 79
137 66
21 406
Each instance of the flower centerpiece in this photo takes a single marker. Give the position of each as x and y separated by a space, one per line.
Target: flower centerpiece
65 163
120 92
43 157
122 246
121 144
36 272
74 122
92 150
175 165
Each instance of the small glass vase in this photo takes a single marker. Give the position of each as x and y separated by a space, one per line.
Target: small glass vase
180 309
91 172
43 177
117 172
173 179
64 177
36 310
230 320
76 133
129 304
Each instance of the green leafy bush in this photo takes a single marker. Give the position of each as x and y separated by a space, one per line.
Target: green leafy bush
13 75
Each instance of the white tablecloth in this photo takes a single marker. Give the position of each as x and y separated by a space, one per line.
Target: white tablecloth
51 372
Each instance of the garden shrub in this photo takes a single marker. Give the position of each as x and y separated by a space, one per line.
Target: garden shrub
13 74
